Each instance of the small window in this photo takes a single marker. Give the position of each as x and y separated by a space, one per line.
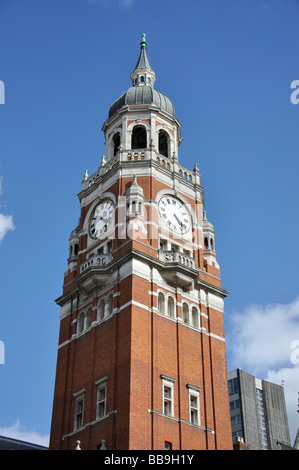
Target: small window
88 318
194 409
168 445
233 386
101 310
139 137
116 143
79 414
101 399
110 304
161 303
167 395
167 400
163 143
195 321
170 307
185 313
79 410
81 323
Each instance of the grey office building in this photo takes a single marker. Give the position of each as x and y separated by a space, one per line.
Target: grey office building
258 411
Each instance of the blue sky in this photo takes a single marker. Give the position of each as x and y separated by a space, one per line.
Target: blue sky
228 68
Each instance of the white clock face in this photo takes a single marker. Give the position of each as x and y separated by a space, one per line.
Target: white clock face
101 219
174 214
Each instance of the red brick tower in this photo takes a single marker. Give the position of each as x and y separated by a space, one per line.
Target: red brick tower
141 359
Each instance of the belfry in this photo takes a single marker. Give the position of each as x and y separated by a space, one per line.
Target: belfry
141 361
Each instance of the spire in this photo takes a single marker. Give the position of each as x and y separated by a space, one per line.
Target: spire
143 62
143 73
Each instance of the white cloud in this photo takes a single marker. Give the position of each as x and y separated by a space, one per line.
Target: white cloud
6 221
264 341
16 431
6 224
262 336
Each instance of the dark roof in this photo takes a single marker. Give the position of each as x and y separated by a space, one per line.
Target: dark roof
284 446
8 443
142 95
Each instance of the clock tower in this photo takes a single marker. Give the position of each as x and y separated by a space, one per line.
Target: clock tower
141 358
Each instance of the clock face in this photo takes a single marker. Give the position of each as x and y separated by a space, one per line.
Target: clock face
101 219
174 214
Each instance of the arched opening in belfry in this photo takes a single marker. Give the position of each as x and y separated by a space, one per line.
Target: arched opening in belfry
163 143
139 137
116 143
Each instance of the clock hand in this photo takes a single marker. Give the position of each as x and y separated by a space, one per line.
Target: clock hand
179 221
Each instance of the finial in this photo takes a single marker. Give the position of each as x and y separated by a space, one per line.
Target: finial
78 446
85 175
143 40
103 445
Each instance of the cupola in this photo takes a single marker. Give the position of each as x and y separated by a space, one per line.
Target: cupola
143 75
208 234
142 92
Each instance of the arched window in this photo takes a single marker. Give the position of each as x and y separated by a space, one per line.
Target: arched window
185 313
163 143
161 303
139 137
109 304
88 318
101 310
170 307
80 323
116 143
195 321
206 243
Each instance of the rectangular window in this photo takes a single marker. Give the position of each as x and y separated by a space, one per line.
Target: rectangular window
194 410
101 402
79 409
101 397
167 395
233 385
235 404
236 420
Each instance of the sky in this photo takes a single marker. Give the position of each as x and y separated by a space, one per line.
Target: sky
229 67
